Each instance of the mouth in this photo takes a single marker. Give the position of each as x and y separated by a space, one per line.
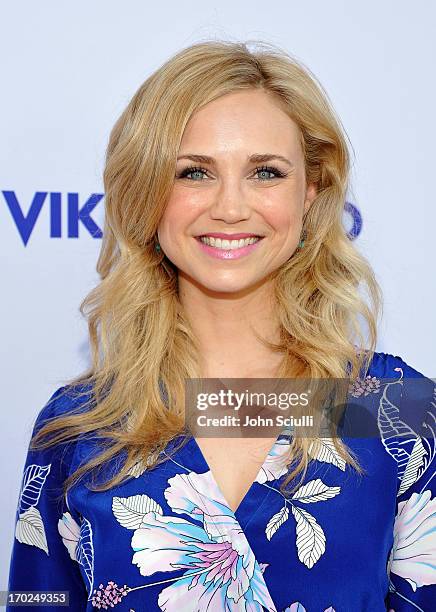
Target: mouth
228 249
230 243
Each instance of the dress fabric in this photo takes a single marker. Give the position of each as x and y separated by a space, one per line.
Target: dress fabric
166 539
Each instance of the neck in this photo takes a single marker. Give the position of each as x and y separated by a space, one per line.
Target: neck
225 326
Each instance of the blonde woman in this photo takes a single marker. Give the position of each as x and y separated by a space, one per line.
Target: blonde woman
224 256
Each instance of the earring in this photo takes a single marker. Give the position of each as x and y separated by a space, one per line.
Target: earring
157 247
302 239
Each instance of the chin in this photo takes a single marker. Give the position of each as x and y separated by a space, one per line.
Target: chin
228 282
229 286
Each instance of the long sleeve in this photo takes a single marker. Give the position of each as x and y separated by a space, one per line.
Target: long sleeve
412 562
40 558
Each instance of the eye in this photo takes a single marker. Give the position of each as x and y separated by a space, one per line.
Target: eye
271 170
264 170
191 170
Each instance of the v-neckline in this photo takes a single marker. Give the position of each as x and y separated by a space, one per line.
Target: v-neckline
242 516
238 513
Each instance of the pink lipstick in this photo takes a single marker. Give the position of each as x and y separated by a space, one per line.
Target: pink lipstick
216 250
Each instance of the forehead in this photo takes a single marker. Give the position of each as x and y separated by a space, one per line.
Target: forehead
249 120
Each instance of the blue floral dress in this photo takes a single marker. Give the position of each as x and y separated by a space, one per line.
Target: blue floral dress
166 539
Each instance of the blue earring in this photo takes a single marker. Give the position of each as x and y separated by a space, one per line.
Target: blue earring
157 247
301 243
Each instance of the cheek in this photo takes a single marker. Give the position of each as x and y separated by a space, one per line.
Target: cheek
186 200
175 222
182 208
284 219
283 210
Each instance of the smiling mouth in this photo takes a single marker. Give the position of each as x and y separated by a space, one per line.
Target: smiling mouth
229 244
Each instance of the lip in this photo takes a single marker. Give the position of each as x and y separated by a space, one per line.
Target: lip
228 236
228 253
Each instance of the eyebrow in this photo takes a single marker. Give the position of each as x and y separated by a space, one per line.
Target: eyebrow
256 158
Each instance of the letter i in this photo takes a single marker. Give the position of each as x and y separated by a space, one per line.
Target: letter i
55 215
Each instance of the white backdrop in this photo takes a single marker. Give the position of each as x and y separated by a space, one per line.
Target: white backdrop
68 70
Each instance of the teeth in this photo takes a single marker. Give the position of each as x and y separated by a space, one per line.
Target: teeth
228 244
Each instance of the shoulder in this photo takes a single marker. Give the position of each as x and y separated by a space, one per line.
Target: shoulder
68 399
56 457
391 368
415 391
388 365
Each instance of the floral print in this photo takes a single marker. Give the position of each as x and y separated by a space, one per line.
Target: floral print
107 597
370 384
167 539
29 528
221 570
78 541
413 555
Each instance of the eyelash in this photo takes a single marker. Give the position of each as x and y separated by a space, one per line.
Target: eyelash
276 171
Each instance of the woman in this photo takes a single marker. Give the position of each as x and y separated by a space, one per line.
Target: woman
223 143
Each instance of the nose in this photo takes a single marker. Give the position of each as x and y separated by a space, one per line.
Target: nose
229 203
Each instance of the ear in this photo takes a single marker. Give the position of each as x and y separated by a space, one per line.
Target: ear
310 196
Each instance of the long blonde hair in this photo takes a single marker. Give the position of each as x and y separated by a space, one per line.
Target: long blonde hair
139 336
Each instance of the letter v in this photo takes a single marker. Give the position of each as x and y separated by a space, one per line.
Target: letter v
25 224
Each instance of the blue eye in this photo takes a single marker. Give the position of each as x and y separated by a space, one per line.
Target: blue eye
270 170
263 169
191 170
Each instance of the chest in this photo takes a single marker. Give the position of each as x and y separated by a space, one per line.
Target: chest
151 530
235 464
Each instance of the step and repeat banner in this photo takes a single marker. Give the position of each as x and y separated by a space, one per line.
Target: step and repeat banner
69 69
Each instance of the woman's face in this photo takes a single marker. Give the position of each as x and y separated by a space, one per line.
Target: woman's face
229 191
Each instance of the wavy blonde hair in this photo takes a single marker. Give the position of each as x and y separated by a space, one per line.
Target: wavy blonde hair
139 335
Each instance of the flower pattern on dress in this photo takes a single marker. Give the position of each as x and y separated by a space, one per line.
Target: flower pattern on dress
298 607
108 596
359 387
29 528
310 537
194 552
78 541
413 555
221 570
